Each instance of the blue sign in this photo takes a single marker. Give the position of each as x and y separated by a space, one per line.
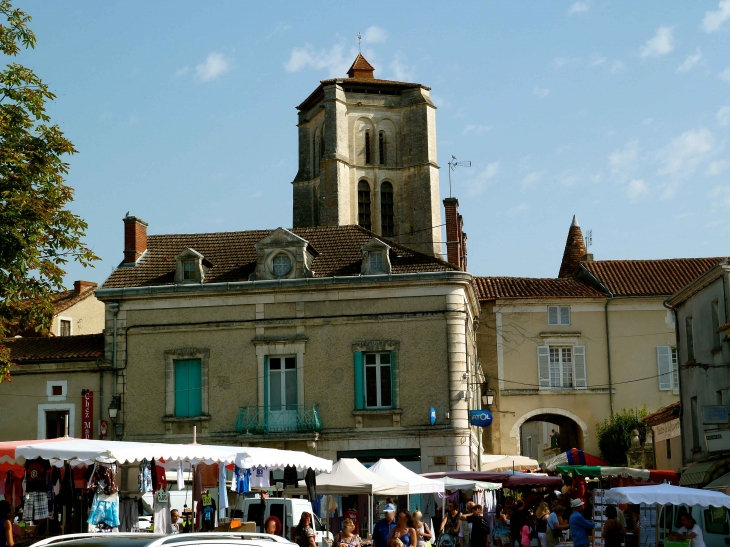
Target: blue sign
480 418
432 415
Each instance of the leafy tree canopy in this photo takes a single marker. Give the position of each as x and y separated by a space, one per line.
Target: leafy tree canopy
614 434
38 234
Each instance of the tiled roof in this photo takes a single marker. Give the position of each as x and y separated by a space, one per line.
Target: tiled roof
648 277
306 103
663 415
233 256
26 350
492 288
64 300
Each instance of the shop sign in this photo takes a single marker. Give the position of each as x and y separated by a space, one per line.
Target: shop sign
714 414
439 460
432 415
103 428
668 430
480 418
718 440
87 414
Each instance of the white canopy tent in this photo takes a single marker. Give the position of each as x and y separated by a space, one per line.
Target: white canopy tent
500 462
667 493
393 471
466 484
349 476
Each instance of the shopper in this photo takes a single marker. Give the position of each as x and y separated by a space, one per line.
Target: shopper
500 535
423 532
382 529
690 531
555 526
452 523
304 533
273 526
579 526
465 529
174 521
6 525
479 526
403 530
541 514
525 531
613 531
347 538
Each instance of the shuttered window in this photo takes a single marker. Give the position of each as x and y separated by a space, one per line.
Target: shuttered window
558 315
562 367
664 367
376 377
675 369
188 393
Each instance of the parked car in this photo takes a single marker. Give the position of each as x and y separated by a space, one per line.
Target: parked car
713 521
209 539
287 510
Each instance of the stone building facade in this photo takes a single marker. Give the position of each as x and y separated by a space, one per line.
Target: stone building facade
367 156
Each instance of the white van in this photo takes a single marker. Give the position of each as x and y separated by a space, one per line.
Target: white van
713 521
287 510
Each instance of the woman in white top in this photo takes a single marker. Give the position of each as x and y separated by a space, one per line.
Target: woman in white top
422 532
690 531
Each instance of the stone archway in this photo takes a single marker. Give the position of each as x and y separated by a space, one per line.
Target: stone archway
573 429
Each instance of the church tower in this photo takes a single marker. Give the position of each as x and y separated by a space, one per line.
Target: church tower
367 156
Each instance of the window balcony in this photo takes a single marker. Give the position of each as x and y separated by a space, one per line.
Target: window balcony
290 419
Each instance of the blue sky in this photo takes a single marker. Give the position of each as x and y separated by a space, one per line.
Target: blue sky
619 112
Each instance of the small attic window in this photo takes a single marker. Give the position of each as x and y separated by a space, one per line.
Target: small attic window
189 270
376 261
281 265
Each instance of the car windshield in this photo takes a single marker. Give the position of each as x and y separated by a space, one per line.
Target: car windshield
108 540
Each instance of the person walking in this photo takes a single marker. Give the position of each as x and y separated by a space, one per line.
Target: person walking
382 529
579 526
541 514
348 537
304 533
613 531
479 526
403 530
423 533
555 526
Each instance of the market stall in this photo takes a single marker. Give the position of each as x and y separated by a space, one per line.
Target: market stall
667 493
573 456
606 472
500 462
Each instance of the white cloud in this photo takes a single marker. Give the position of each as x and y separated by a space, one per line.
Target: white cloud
636 189
717 167
597 60
725 75
681 157
623 160
541 92
714 19
690 61
133 120
439 101
660 44
477 184
333 59
647 121
402 71
578 7
215 65
477 129
722 193
374 35
723 115
532 178
180 72
516 210
617 67
560 62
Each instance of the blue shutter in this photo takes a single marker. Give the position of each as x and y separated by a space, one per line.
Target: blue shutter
195 388
188 392
359 378
181 389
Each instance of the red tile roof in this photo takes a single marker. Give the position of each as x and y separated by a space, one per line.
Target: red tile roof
27 350
493 288
64 300
233 256
648 277
663 415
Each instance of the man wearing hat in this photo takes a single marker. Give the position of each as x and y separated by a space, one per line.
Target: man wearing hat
579 526
383 527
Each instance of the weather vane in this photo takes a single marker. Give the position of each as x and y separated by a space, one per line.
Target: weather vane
453 164
359 39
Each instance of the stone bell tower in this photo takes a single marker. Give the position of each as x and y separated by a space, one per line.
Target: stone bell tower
367 156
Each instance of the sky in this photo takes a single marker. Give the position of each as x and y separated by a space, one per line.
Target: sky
183 114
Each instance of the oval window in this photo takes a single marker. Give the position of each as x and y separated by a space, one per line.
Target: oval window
282 265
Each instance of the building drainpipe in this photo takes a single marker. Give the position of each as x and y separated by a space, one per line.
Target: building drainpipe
608 356
114 307
679 377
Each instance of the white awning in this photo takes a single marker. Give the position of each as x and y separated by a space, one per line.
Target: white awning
349 476
466 484
667 493
253 456
392 470
500 462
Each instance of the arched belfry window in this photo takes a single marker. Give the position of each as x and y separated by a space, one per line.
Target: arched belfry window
367 148
363 205
387 219
381 147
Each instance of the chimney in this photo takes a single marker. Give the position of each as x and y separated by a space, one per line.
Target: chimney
135 239
455 236
82 286
575 251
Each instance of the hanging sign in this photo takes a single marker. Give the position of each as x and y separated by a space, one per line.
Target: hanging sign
103 428
432 415
87 414
480 418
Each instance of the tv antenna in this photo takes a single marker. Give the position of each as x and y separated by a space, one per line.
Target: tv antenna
453 164
359 39
589 238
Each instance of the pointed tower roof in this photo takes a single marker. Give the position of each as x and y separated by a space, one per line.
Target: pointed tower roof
575 250
361 69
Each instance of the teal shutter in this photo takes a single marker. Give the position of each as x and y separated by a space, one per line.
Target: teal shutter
188 392
394 380
181 389
266 392
359 378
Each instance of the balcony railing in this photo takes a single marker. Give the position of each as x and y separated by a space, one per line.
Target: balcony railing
290 419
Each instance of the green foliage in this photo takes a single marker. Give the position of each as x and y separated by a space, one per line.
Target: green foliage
614 434
38 235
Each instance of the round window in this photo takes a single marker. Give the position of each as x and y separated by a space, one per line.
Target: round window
282 265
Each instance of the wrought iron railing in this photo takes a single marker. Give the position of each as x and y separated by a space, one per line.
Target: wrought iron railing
258 420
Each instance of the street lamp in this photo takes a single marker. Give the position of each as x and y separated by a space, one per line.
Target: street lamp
114 408
488 397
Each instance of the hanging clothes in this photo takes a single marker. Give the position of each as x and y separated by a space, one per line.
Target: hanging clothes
180 478
207 515
241 480
208 475
161 511
128 515
222 492
144 480
103 479
260 477
65 496
104 510
311 481
291 478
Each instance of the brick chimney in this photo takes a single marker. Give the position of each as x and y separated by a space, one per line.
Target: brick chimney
82 286
455 236
135 239
575 251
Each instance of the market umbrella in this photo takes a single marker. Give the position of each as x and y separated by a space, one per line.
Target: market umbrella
573 457
451 483
667 493
500 462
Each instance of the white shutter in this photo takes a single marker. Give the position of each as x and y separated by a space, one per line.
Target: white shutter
675 369
565 315
664 366
543 366
579 367
553 315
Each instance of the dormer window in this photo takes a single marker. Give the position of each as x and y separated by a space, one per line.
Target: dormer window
189 268
376 261
281 265
375 258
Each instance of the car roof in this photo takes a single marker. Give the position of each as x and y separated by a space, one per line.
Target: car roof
154 540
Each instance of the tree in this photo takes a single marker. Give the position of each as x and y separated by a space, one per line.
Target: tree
38 234
614 434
